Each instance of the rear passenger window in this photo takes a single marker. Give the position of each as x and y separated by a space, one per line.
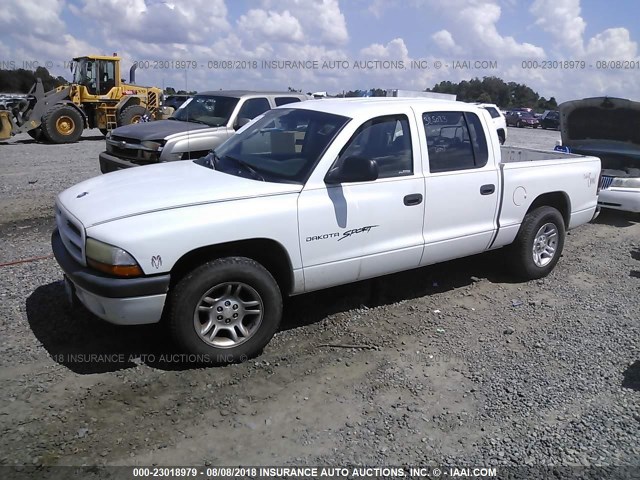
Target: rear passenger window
387 140
455 141
492 111
253 107
285 100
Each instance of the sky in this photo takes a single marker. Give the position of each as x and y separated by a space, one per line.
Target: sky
565 49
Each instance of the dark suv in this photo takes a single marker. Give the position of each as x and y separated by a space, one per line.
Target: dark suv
550 119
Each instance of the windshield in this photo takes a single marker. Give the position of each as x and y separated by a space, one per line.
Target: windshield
282 146
211 110
84 71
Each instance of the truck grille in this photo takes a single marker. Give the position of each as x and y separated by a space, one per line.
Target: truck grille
72 234
115 146
605 182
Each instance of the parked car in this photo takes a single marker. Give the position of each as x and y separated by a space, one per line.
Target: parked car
521 119
200 124
309 196
607 127
498 120
550 120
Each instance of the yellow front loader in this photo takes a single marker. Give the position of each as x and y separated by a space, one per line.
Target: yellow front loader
96 98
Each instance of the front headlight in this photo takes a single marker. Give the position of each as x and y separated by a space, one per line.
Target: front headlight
155 146
172 157
110 259
626 182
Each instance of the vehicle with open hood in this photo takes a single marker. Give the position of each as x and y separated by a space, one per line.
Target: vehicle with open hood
608 128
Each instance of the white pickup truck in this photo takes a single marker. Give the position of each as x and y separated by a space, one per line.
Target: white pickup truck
308 196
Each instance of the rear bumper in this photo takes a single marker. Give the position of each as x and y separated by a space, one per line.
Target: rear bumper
123 301
620 199
109 163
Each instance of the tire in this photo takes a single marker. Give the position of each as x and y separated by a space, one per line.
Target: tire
501 137
529 253
203 304
62 124
35 133
519 125
131 115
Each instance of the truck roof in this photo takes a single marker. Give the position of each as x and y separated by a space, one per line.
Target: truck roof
353 107
242 93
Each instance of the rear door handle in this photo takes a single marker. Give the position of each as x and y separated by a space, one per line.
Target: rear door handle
413 199
487 189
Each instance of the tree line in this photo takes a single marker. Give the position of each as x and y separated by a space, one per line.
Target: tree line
21 81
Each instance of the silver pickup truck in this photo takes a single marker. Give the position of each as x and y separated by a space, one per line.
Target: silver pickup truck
199 125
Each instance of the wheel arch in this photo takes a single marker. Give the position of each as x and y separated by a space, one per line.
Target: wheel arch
558 200
269 253
128 101
69 103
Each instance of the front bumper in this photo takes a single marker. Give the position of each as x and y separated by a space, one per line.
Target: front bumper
110 163
123 301
627 199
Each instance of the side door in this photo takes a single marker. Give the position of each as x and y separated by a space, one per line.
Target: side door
354 230
462 187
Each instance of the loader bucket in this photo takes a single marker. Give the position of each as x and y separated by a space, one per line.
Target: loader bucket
5 125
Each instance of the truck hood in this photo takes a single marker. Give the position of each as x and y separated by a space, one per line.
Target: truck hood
605 127
141 190
156 130
592 120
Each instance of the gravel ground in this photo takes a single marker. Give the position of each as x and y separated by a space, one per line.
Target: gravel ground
454 364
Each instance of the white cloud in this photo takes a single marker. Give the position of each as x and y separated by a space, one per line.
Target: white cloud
271 25
181 22
444 40
29 16
473 27
561 18
322 20
613 43
395 50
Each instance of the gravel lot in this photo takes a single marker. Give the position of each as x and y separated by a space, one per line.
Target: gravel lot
455 364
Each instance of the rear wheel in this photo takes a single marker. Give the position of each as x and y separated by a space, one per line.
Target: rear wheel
62 124
132 114
225 311
539 243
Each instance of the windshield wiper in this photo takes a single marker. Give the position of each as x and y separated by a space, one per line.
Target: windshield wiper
212 159
246 166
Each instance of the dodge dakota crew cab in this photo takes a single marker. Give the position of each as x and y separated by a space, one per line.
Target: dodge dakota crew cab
200 124
311 195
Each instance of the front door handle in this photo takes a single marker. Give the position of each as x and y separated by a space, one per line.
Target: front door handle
487 189
413 199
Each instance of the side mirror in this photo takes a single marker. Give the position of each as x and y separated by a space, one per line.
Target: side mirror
241 122
354 169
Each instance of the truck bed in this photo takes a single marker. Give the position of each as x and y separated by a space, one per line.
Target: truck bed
513 154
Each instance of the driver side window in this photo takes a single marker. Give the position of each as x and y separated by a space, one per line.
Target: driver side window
387 141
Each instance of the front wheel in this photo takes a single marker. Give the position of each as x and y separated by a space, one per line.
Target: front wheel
62 124
225 311
539 243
